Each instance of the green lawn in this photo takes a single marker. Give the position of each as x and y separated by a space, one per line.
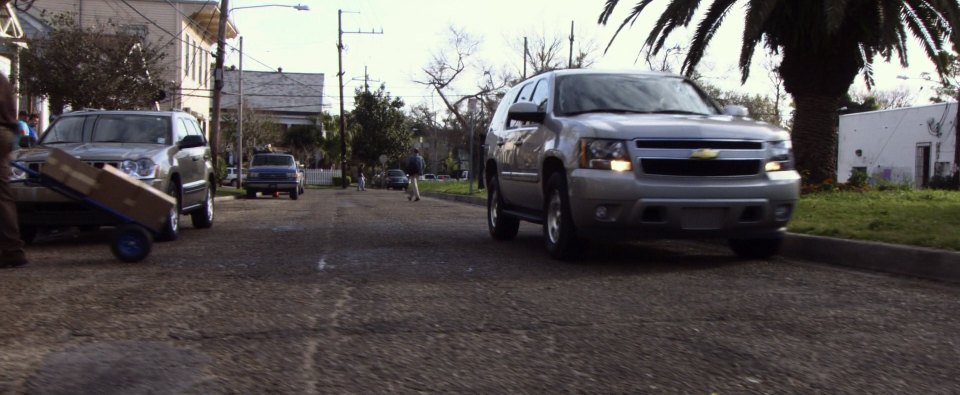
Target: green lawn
454 187
929 218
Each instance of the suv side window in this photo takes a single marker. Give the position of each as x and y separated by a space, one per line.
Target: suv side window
192 128
540 94
181 129
523 96
500 117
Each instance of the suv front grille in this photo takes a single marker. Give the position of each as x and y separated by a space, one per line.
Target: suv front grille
731 158
697 144
273 176
701 168
37 166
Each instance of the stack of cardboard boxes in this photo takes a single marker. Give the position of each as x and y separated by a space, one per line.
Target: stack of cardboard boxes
111 188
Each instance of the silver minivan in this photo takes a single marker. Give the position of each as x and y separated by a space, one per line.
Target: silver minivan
627 155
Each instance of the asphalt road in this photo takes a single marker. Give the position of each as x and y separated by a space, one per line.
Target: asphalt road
365 292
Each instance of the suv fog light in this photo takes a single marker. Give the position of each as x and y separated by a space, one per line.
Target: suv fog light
601 212
782 212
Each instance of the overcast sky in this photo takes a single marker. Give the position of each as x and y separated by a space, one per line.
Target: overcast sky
305 41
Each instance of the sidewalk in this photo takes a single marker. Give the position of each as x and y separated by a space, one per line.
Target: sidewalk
941 265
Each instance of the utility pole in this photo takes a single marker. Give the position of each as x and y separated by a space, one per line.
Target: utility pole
239 153
524 58
218 79
343 121
570 59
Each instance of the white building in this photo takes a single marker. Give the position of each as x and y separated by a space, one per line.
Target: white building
905 146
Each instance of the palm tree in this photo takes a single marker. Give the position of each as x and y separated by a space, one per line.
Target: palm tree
824 45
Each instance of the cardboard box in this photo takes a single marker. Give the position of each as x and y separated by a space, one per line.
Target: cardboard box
70 171
133 198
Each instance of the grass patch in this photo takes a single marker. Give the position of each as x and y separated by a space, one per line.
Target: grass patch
928 218
229 192
452 187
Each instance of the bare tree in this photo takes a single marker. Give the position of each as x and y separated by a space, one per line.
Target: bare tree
884 99
448 67
551 53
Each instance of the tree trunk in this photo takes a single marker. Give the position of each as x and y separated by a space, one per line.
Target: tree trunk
815 137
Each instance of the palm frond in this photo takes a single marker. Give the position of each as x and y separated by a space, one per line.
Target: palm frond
705 31
678 13
758 14
631 17
836 14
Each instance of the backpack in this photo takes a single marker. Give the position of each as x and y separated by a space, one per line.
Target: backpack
412 165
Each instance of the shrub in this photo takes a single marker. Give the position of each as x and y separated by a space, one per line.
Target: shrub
337 181
221 169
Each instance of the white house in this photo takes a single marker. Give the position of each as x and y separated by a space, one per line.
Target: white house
905 145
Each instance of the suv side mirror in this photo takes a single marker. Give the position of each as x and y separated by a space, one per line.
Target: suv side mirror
737 111
525 111
192 141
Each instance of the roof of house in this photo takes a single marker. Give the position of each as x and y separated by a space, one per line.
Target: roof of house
273 91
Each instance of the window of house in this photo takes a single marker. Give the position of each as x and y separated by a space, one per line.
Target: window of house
186 56
134 30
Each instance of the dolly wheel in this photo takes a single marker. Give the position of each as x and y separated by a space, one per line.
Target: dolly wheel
131 243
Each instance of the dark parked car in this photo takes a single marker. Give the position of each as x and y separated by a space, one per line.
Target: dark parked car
397 179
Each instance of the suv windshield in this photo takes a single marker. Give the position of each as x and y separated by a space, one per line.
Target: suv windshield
395 173
626 93
272 160
112 128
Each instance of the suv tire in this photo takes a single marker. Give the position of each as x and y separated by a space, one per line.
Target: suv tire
172 226
558 229
295 193
756 248
501 226
202 218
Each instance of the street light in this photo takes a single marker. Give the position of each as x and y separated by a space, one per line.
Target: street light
298 7
239 153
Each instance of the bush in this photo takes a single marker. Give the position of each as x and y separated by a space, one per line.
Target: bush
221 169
337 181
943 182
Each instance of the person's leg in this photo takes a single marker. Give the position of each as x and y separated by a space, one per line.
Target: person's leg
416 189
11 247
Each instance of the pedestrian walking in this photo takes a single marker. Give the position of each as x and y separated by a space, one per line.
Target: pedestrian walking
361 180
414 169
11 247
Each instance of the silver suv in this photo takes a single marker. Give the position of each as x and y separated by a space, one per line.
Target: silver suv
165 149
594 154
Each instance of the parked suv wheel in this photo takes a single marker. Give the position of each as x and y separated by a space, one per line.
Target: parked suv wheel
502 227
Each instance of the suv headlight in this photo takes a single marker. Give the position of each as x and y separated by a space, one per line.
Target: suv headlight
605 154
140 168
779 156
253 175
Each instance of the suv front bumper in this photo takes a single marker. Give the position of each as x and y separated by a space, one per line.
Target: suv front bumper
621 205
41 206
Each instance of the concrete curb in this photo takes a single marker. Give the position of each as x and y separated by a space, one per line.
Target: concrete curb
941 265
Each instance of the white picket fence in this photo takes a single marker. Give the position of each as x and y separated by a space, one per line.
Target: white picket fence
321 176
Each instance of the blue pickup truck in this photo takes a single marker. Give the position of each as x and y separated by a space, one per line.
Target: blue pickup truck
273 173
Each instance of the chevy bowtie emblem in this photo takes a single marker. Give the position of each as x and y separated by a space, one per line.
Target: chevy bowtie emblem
705 153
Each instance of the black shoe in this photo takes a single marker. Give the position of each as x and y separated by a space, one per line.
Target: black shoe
13 258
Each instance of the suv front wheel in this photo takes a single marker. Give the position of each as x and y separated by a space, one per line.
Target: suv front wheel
203 218
558 229
172 226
